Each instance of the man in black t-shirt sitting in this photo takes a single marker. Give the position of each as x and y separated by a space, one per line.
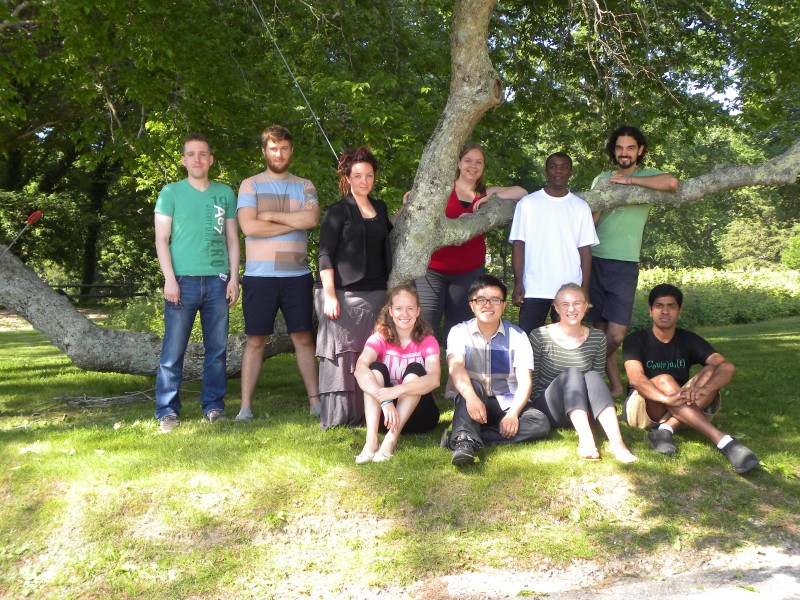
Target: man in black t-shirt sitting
664 396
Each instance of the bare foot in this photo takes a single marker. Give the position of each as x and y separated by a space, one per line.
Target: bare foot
588 452
621 453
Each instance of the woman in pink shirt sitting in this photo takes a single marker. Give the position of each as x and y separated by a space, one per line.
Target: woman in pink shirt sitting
397 371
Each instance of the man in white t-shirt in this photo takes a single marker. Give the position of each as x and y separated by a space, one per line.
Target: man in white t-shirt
552 235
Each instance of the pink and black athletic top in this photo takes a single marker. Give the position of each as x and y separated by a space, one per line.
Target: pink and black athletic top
397 359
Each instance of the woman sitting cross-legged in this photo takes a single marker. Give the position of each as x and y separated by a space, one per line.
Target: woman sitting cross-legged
397 371
568 386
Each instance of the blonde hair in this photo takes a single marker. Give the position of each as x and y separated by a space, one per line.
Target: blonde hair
571 287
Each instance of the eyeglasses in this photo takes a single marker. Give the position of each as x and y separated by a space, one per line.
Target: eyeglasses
568 305
481 301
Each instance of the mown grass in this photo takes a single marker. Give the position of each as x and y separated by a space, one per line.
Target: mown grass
97 503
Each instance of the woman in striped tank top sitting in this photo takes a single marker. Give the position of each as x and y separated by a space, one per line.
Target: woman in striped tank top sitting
568 386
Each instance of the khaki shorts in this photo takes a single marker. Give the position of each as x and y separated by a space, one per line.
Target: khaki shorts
634 410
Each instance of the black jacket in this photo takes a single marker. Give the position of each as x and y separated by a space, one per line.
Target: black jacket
342 244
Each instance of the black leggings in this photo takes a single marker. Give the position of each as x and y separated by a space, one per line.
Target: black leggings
425 417
574 390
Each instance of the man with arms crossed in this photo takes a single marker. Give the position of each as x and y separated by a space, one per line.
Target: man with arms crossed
552 235
615 260
657 361
197 243
490 362
275 210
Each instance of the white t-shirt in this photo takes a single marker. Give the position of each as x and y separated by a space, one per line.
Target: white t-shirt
553 228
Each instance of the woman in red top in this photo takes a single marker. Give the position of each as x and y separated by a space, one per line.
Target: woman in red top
453 268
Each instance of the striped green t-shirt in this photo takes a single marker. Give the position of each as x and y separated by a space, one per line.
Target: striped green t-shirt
550 359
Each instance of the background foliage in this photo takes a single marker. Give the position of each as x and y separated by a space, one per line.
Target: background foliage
96 96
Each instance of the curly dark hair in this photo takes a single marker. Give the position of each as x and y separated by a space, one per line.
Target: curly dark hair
350 158
385 324
631 131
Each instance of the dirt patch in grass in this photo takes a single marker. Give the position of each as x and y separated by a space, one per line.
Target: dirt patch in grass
10 321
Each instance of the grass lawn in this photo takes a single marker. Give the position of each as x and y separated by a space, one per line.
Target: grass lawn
97 503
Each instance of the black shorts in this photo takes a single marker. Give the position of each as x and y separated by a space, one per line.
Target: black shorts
263 296
612 289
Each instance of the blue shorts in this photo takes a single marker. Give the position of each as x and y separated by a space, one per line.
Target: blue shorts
612 289
263 296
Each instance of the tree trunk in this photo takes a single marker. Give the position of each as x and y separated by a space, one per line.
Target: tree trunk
421 228
475 87
96 348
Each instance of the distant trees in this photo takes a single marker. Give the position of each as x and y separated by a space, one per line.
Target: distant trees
95 97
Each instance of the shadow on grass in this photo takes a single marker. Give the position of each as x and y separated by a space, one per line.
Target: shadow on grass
241 495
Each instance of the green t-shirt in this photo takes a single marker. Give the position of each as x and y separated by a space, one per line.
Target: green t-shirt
620 230
197 241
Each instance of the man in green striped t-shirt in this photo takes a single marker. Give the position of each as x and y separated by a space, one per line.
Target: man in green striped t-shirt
615 260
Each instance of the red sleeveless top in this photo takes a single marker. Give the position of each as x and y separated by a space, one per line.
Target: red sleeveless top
455 260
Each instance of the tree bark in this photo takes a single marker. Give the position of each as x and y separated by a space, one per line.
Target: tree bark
95 348
421 228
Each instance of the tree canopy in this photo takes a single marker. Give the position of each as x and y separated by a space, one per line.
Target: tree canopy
96 97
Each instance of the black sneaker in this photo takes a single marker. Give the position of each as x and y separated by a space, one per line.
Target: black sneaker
740 456
661 441
168 422
445 441
464 453
215 415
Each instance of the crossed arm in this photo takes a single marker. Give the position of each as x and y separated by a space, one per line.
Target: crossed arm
663 181
272 223
718 373
413 387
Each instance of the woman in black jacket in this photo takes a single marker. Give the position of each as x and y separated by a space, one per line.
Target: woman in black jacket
355 260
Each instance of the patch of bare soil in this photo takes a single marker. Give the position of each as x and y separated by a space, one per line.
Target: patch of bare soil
10 321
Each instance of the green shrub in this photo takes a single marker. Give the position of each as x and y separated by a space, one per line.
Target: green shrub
791 256
721 297
710 298
147 315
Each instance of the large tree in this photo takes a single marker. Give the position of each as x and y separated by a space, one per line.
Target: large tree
571 69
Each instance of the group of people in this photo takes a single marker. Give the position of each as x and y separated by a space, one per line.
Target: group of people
376 358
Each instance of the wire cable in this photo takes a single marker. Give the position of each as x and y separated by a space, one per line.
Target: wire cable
294 79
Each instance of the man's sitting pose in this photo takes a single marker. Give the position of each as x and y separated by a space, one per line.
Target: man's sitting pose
657 361
490 362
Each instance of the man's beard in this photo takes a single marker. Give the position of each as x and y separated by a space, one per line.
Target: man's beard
279 170
629 161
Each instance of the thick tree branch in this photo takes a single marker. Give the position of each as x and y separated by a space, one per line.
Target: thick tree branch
95 348
475 87
781 170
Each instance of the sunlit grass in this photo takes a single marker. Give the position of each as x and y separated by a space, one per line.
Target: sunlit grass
97 503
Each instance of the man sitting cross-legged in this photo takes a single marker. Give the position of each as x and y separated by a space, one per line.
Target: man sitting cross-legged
490 362
657 361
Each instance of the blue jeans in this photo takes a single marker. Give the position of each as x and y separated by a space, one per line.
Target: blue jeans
208 295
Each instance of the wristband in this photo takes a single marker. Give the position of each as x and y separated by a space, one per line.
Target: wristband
385 402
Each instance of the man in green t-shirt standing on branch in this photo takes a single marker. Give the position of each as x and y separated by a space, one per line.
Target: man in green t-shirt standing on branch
197 242
615 260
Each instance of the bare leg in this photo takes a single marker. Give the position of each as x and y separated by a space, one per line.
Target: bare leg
305 354
405 408
683 414
252 358
616 445
586 445
372 416
615 333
